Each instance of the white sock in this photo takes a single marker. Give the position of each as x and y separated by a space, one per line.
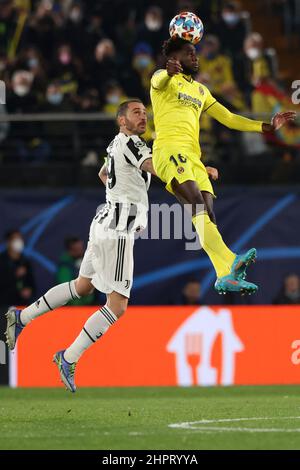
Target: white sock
94 328
55 297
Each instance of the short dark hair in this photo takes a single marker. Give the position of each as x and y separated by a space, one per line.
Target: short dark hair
8 235
173 45
122 109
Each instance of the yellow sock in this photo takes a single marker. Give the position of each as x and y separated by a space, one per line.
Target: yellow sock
212 243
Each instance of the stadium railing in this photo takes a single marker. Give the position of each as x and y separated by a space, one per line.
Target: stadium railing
64 149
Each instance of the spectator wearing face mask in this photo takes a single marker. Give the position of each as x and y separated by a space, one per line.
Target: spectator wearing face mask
153 30
114 96
17 286
253 66
69 264
231 29
30 59
24 136
257 64
21 97
58 132
67 69
290 292
144 63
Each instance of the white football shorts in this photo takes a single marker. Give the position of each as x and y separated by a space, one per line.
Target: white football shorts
108 259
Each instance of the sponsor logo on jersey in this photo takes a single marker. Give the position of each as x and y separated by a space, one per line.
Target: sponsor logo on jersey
189 100
127 284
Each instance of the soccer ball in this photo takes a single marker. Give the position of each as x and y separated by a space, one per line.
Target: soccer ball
188 26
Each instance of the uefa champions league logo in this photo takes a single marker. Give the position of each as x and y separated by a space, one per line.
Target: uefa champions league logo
2 93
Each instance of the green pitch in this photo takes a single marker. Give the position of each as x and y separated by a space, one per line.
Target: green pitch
140 418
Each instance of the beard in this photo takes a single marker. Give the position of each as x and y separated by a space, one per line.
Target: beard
189 70
131 127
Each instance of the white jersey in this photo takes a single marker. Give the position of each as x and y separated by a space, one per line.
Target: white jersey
127 185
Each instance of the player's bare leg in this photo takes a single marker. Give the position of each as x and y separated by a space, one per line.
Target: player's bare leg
222 258
209 204
94 328
54 298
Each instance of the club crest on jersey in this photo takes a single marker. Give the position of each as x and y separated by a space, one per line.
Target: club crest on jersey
180 170
201 91
139 144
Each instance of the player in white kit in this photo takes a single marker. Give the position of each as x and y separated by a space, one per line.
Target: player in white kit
108 261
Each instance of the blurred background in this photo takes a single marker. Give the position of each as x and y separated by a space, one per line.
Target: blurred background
68 64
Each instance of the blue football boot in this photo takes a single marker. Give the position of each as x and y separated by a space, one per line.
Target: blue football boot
241 263
66 370
14 326
231 284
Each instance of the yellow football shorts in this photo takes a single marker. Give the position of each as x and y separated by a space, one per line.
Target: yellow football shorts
183 166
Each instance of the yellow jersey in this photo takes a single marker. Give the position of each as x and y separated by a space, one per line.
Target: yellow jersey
177 104
177 108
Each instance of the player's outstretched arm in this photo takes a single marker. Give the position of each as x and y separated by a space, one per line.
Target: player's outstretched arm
147 165
279 120
233 121
103 174
240 123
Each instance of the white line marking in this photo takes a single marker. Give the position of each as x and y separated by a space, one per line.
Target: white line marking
201 425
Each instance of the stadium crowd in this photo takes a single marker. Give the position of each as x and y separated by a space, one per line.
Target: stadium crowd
74 56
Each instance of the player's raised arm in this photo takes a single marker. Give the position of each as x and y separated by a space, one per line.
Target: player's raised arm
103 174
240 123
161 78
